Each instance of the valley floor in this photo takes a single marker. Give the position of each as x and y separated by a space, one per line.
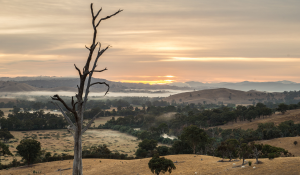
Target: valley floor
187 164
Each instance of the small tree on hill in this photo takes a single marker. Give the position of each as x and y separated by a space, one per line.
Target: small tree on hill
4 150
295 143
245 151
282 108
5 135
256 148
160 164
29 149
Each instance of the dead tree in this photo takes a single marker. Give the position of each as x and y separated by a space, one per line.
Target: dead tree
78 105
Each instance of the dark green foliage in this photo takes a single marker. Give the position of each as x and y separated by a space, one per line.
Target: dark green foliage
229 148
29 149
194 136
295 143
181 147
4 150
282 108
163 150
1 113
146 148
271 155
276 151
148 144
32 121
244 151
160 164
5 135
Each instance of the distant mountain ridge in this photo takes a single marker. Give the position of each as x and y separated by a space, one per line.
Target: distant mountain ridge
278 86
20 84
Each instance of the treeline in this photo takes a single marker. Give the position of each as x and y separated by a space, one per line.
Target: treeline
195 140
24 121
265 131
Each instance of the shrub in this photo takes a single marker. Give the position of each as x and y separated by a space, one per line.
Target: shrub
295 143
271 155
250 163
157 165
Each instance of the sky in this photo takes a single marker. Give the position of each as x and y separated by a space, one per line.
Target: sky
154 41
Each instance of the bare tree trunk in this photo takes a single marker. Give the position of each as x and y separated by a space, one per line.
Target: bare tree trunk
77 163
77 108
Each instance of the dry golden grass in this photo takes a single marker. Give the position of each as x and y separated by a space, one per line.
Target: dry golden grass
60 141
286 143
276 118
187 164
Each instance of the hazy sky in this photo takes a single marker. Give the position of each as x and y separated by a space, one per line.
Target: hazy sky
154 40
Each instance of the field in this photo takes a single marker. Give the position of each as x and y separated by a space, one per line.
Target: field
60 141
186 164
276 118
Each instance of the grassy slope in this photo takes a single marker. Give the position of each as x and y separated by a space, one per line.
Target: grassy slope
286 143
221 95
276 118
187 164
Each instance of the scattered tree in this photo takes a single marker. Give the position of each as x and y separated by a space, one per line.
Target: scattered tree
256 148
160 164
194 136
4 150
29 149
282 108
244 151
78 107
5 135
295 143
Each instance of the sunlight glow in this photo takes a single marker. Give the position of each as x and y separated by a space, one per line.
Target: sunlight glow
234 59
148 82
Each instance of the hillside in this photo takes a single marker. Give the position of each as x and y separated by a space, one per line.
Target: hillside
275 118
187 164
9 86
285 143
223 95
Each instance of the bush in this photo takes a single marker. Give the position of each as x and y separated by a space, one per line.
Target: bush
271 155
250 163
160 164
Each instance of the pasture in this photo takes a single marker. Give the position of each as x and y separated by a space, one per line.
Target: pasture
60 141
186 164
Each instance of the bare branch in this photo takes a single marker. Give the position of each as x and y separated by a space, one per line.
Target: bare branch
90 123
64 114
101 83
77 70
87 48
100 70
92 11
108 17
87 91
56 97
98 13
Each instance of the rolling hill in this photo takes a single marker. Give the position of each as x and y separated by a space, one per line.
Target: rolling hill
224 95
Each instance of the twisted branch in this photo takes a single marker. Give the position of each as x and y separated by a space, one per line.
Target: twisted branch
90 123
56 97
